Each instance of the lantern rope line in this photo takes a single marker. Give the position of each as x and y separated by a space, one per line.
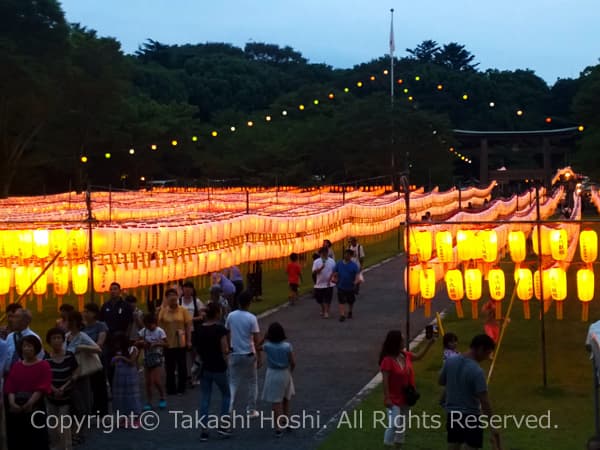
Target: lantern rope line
503 330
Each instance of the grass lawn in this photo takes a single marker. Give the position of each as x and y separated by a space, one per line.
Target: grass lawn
515 387
274 283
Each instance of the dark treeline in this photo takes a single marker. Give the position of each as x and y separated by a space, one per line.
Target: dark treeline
65 92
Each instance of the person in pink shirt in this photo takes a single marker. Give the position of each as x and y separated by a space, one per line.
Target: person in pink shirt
28 382
294 273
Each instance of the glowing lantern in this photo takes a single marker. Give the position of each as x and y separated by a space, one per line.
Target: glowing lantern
22 279
40 287
546 285
7 243
489 245
473 286
545 241
79 279
558 288
58 241
414 281
443 247
5 276
60 280
517 247
588 246
76 242
524 280
455 288
465 240
427 283
496 284
559 245
103 276
585 290
41 245
24 244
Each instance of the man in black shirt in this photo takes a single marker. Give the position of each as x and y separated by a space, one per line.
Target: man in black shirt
118 316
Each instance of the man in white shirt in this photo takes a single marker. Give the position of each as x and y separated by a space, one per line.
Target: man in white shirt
20 324
244 342
322 269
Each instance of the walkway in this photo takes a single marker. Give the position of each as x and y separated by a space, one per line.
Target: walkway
334 361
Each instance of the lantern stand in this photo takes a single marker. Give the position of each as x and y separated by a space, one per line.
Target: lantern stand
541 270
109 203
44 270
90 219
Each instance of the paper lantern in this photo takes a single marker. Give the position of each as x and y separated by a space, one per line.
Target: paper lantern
588 246
546 285
104 275
76 244
489 245
496 284
454 285
79 279
473 284
60 280
465 243
585 285
7 243
443 247
427 283
558 284
585 290
5 276
22 279
524 280
546 250
415 280
559 244
41 286
41 243
58 242
24 244
517 246
424 244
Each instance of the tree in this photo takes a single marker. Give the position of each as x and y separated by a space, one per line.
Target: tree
271 53
33 44
586 107
455 57
426 51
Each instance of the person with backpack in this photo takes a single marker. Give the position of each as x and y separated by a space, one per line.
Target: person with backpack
195 307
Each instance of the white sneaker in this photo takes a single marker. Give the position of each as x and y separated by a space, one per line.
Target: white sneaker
253 414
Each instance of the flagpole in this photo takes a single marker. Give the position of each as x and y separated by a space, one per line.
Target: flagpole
392 45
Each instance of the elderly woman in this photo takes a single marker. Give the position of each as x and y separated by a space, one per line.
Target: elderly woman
79 342
28 381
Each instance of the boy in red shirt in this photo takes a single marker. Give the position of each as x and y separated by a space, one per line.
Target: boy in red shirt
294 273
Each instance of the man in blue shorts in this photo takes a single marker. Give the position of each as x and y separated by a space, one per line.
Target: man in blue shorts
344 275
467 395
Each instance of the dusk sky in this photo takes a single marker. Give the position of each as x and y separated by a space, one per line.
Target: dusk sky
555 38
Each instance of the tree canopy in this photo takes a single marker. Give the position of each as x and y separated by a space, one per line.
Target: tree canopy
66 93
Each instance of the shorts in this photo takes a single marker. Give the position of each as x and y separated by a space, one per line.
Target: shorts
464 429
294 287
324 295
346 297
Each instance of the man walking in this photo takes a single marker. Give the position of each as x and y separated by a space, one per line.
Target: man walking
467 395
244 342
345 275
322 270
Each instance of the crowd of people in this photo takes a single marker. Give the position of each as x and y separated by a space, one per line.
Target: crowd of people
92 358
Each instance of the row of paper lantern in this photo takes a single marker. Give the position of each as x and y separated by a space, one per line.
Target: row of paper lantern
470 285
483 244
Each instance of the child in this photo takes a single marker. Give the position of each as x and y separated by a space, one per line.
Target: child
154 339
450 343
216 297
126 387
491 326
294 273
279 386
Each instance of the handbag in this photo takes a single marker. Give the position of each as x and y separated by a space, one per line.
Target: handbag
152 360
88 363
411 395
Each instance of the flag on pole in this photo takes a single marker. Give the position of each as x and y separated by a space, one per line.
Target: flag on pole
392 44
